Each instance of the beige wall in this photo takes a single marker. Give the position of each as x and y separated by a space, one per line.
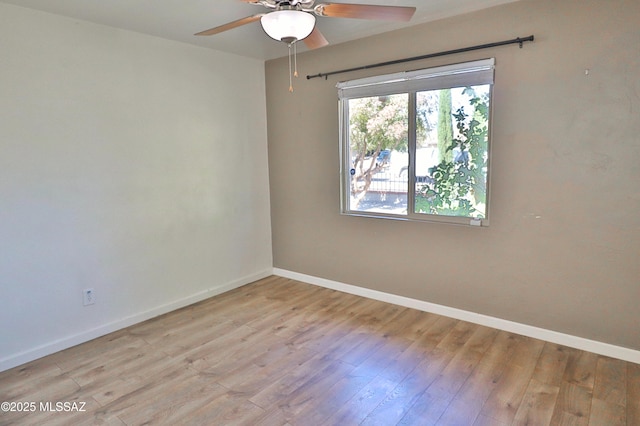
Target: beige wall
562 251
129 164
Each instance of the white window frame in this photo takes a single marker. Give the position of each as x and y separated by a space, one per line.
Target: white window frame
472 73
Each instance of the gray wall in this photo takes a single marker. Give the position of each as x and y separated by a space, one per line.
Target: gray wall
562 249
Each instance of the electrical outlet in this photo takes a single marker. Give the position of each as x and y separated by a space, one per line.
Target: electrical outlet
88 297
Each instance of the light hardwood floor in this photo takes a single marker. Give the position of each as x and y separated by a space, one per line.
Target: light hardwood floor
280 352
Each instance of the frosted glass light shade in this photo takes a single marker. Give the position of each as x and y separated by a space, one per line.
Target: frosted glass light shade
287 24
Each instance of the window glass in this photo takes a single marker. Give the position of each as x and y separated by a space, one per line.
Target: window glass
452 148
378 137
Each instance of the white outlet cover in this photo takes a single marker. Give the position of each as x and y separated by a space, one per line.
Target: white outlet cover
88 297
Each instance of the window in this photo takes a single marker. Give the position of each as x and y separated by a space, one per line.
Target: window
415 145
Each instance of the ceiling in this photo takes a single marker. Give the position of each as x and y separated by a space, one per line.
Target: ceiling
180 19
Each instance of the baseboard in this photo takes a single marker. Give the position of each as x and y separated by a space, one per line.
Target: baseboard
76 339
600 348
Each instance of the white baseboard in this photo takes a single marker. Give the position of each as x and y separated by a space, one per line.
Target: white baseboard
600 348
69 341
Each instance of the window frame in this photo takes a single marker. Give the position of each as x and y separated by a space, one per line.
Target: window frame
463 74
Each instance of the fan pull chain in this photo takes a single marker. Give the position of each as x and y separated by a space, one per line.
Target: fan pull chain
295 60
295 64
290 78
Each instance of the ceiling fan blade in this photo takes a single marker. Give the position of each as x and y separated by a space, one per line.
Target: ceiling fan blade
365 11
315 40
230 25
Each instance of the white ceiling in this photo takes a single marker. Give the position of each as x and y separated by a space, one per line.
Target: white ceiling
180 19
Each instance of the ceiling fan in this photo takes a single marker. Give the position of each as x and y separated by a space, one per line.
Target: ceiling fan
290 21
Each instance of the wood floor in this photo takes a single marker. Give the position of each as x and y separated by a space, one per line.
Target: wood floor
280 352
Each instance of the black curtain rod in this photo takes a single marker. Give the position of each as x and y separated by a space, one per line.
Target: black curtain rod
518 40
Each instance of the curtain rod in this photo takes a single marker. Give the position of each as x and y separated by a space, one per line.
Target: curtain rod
518 40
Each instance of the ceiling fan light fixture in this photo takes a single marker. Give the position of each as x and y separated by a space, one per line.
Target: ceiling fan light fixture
288 25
